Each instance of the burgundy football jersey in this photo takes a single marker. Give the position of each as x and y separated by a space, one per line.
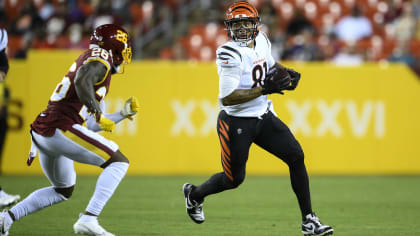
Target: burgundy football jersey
64 106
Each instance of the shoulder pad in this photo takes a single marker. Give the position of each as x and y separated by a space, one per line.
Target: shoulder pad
98 54
228 56
264 38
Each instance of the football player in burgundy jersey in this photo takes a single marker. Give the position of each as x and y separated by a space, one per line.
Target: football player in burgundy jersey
60 137
246 70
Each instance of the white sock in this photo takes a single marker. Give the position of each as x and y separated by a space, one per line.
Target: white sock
36 201
8 219
108 181
87 218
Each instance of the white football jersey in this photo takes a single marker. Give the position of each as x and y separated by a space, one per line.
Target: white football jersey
253 64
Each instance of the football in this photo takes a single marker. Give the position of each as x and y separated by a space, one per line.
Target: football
282 73
281 77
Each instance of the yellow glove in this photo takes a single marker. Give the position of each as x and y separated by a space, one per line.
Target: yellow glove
106 124
131 107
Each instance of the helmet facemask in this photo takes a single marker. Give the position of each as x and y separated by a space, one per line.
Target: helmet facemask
123 55
242 30
126 55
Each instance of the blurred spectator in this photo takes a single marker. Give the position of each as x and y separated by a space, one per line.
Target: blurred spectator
102 15
416 8
46 10
121 10
330 45
348 55
163 28
405 25
298 24
353 27
25 45
28 22
76 40
303 48
402 54
178 53
155 30
268 16
55 25
393 12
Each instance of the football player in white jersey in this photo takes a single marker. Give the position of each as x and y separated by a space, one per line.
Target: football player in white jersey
247 73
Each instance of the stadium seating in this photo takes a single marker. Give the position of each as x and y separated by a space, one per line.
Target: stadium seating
201 41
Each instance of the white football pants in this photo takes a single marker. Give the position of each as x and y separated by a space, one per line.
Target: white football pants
57 153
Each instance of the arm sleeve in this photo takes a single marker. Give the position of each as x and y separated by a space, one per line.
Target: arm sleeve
229 80
91 121
229 68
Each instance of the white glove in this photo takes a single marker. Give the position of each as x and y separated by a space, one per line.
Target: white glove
131 107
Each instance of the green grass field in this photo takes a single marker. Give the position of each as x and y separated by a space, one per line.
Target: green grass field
354 206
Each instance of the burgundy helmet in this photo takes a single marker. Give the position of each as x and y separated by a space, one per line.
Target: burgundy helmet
115 40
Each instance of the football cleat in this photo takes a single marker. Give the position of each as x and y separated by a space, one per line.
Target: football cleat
313 226
90 228
4 224
7 199
194 209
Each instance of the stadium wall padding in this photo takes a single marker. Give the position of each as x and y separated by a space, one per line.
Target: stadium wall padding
349 120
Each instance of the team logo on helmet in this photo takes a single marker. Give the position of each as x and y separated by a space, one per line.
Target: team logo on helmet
242 22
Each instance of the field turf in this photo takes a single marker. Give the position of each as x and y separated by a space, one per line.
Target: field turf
354 206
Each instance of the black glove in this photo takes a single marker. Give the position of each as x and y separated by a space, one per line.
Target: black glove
276 80
294 80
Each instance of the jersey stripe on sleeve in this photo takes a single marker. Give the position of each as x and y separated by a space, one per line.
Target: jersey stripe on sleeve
222 54
233 50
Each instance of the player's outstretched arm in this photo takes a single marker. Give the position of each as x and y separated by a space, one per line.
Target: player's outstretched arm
86 77
131 107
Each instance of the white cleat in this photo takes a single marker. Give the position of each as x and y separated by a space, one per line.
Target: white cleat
90 228
4 224
7 199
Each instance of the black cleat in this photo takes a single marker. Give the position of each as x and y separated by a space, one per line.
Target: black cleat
313 226
194 209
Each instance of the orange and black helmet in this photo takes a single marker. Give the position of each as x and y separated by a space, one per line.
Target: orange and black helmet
242 11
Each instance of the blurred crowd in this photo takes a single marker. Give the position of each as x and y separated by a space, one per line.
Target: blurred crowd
346 32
